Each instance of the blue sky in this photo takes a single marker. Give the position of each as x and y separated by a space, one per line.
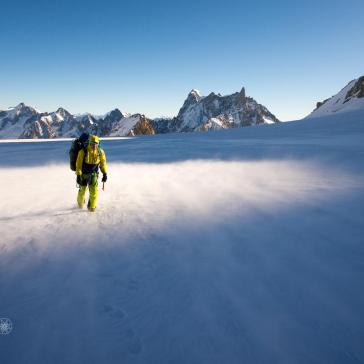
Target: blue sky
145 56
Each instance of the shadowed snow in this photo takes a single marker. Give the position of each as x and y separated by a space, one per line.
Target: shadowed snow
239 247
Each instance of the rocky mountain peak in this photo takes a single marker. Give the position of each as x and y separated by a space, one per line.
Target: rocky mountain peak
194 96
357 90
242 93
195 93
20 106
22 110
242 97
115 114
216 112
23 107
63 112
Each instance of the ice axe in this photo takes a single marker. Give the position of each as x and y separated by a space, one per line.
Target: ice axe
104 178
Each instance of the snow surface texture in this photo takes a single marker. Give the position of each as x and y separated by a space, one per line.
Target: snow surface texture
238 246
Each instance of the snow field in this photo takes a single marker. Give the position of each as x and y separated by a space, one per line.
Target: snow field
240 246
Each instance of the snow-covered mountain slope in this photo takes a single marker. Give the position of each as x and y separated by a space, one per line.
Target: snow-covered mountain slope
350 98
197 114
212 112
243 246
15 121
26 122
133 125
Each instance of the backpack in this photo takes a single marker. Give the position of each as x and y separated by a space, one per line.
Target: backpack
76 146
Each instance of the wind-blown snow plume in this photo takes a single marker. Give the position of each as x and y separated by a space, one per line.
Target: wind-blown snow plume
40 201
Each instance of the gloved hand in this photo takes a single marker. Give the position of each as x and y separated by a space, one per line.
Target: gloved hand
79 180
104 177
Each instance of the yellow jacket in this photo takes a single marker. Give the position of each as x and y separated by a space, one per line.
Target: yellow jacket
94 157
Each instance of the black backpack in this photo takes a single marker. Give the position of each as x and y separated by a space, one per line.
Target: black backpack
76 146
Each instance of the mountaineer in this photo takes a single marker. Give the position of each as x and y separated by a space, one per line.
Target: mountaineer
89 158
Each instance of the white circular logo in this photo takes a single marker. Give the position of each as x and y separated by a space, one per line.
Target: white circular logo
5 326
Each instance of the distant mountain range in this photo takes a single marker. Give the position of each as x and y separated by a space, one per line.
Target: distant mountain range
350 98
198 113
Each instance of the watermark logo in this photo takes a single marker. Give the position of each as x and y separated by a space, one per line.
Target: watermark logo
5 326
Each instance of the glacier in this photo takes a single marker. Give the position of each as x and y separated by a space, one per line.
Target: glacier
243 245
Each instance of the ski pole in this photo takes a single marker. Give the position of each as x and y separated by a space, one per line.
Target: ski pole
103 186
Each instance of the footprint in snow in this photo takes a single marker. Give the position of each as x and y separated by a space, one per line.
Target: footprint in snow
135 345
113 312
129 338
133 284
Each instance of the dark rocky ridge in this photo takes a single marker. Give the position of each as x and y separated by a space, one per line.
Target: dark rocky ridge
357 90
